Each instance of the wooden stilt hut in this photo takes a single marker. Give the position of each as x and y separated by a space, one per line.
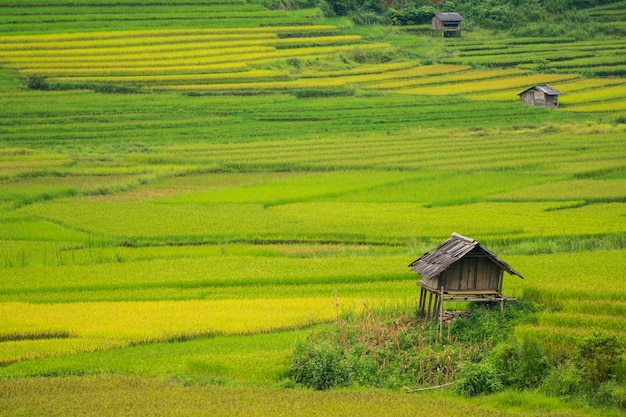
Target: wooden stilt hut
459 269
446 23
541 95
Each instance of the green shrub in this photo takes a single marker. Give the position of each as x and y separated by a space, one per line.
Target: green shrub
612 394
487 323
564 381
522 365
596 357
589 374
320 367
35 81
388 347
411 15
478 378
114 89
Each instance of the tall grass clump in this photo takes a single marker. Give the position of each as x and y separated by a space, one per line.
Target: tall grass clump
393 348
590 373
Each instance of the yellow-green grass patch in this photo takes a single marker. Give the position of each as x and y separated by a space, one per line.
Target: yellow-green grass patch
487 85
178 78
616 92
260 86
576 86
102 40
569 277
36 229
612 106
404 74
326 221
106 325
569 190
106 36
445 79
362 69
200 269
108 395
300 187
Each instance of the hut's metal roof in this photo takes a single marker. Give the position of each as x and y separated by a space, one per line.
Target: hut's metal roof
435 262
546 89
449 17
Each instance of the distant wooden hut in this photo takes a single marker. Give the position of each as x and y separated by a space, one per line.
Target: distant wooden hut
459 269
446 23
541 95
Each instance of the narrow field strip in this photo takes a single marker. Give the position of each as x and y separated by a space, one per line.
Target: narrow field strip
609 107
182 78
516 59
469 44
111 37
13 13
130 60
420 71
94 73
220 17
363 69
106 325
205 272
68 53
133 39
443 78
576 86
589 83
604 60
609 71
484 86
616 92
316 221
568 190
576 321
255 86
332 80
147 14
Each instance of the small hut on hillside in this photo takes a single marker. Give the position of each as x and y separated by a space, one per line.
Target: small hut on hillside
459 269
446 23
541 95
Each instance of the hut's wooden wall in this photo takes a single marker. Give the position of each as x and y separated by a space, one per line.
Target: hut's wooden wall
539 98
437 24
472 274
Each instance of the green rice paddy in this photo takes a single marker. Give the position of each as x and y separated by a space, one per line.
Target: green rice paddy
192 192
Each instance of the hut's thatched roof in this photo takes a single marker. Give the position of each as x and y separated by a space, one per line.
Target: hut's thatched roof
545 88
435 262
449 17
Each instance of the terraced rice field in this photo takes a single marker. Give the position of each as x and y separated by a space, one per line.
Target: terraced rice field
195 190
274 59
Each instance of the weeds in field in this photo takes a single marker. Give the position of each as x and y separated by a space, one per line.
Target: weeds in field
389 347
589 373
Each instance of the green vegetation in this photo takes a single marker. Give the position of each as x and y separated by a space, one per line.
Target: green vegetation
385 348
205 205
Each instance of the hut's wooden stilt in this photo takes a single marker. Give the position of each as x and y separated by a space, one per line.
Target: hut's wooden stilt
441 314
430 301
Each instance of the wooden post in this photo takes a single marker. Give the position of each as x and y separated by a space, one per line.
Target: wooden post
441 314
430 300
422 300
436 306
